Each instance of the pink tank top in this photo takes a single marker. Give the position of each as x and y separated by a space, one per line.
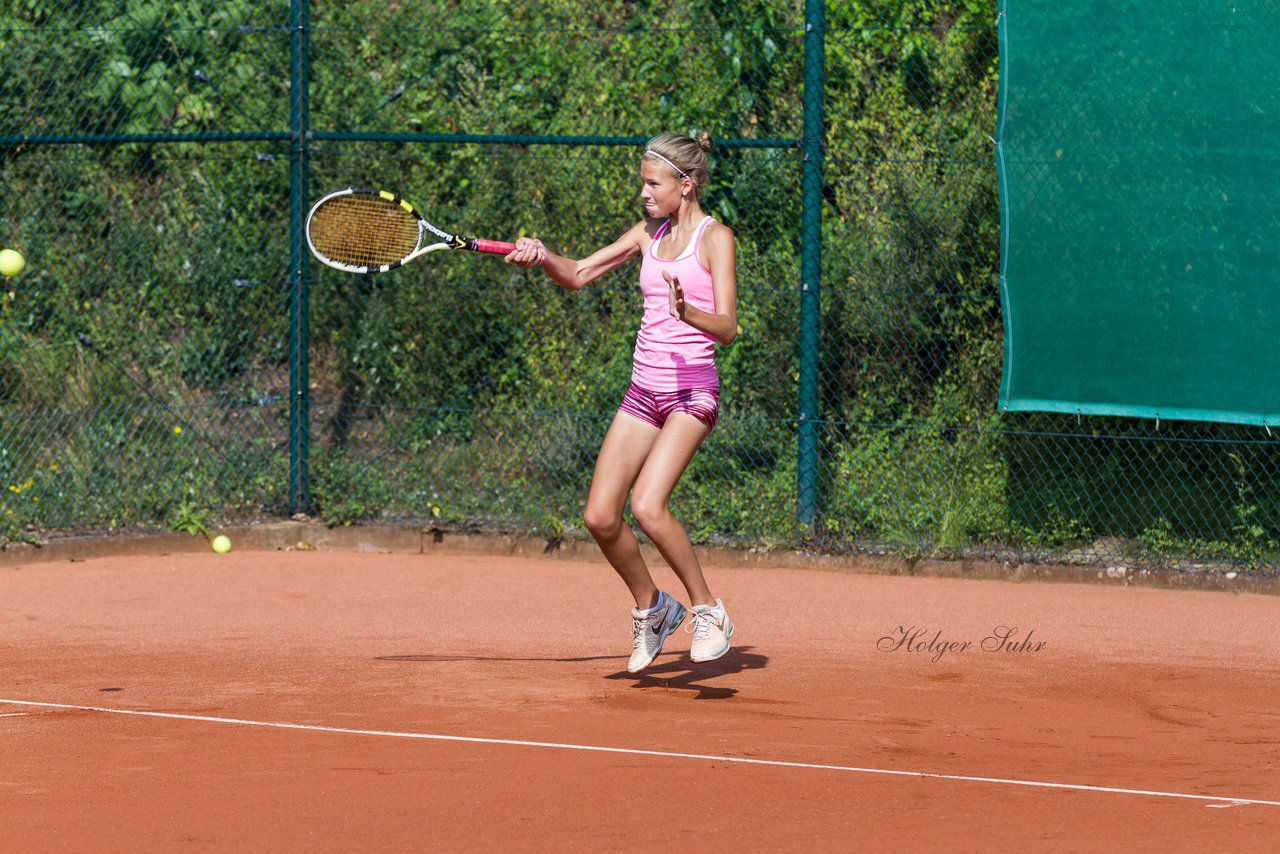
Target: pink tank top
670 354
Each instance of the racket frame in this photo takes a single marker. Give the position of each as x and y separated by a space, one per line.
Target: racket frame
426 231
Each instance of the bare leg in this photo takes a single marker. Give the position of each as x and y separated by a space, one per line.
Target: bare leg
623 454
663 466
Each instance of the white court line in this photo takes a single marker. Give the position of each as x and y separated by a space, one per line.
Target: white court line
1213 800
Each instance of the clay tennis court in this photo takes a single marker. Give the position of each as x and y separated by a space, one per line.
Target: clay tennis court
342 701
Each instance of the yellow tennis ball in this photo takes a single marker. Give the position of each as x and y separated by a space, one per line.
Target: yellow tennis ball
11 263
222 544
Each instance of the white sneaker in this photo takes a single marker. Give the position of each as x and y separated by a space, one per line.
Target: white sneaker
711 629
651 630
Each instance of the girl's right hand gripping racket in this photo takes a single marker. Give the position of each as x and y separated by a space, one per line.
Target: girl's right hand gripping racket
372 231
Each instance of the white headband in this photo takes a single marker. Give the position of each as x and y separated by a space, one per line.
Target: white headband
683 174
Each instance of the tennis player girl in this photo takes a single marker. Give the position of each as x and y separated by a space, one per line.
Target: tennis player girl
687 276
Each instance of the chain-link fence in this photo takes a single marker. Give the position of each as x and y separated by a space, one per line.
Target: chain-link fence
173 356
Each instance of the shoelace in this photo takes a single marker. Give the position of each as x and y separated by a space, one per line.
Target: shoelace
701 625
637 628
640 628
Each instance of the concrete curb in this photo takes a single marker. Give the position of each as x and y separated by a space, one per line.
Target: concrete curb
306 536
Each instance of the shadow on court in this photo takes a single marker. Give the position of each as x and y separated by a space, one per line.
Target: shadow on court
680 673
673 670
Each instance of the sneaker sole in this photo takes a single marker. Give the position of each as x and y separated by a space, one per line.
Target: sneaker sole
657 650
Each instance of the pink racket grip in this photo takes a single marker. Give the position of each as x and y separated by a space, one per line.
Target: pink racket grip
495 247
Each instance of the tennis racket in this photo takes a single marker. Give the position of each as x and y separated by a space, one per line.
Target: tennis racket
372 231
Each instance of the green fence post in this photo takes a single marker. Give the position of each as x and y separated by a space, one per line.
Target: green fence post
810 264
300 298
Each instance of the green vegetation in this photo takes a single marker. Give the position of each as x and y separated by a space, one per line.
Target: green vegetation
144 354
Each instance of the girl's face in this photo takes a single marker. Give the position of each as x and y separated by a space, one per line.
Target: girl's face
660 191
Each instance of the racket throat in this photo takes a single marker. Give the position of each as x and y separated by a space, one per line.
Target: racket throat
453 241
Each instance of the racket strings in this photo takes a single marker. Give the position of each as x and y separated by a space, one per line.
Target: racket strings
363 231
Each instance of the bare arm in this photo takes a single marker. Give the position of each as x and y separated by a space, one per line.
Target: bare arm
572 275
721 256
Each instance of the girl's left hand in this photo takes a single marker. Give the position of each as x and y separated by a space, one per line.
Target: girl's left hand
675 296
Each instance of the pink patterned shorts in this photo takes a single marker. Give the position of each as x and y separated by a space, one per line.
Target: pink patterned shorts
655 407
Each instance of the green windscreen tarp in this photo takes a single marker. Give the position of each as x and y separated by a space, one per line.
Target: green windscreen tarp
1138 152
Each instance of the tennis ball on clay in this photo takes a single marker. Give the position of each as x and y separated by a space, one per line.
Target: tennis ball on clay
11 263
222 544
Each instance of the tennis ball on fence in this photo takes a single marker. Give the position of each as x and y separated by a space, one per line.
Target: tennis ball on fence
11 263
222 544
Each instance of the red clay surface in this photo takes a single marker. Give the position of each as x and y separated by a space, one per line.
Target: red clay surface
1159 693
